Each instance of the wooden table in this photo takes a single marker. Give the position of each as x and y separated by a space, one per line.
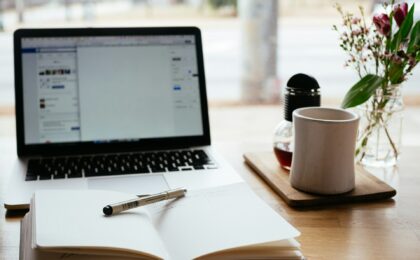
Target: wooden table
378 230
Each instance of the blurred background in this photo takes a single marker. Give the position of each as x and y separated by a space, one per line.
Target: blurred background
251 47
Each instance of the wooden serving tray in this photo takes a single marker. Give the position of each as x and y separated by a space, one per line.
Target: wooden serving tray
368 187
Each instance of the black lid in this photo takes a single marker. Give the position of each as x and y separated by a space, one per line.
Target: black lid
107 210
302 81
302 91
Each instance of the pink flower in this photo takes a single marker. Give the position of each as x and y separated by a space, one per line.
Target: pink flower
382 23
400 12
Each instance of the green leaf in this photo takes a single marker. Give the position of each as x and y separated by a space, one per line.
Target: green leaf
395 42
404 30
362 90
407 24
396 72
414 38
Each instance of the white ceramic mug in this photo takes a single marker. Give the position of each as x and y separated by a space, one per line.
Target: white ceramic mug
323 156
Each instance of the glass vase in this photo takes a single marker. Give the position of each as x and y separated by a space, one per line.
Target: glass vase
380 129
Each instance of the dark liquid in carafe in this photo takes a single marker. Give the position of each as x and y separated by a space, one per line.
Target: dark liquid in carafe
284 158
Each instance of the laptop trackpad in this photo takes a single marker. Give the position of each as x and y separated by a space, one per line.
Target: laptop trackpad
130 184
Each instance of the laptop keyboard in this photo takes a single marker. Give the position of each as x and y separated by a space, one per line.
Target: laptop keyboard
117 164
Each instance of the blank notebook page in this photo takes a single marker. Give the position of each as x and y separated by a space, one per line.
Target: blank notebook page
74 219
215 219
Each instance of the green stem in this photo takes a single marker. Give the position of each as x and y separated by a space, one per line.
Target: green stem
375 118
394 148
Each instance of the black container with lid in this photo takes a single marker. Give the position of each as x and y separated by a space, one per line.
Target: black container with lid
301 91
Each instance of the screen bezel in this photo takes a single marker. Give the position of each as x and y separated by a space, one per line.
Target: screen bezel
72 148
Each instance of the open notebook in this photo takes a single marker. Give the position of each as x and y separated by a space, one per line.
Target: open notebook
228 222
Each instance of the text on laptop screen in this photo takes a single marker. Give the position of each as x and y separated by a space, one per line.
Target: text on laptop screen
110 88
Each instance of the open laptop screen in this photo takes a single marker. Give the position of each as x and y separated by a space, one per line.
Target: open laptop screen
110 88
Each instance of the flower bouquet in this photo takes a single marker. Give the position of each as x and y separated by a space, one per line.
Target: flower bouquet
383 53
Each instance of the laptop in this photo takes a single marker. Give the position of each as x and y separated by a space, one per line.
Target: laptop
121 109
